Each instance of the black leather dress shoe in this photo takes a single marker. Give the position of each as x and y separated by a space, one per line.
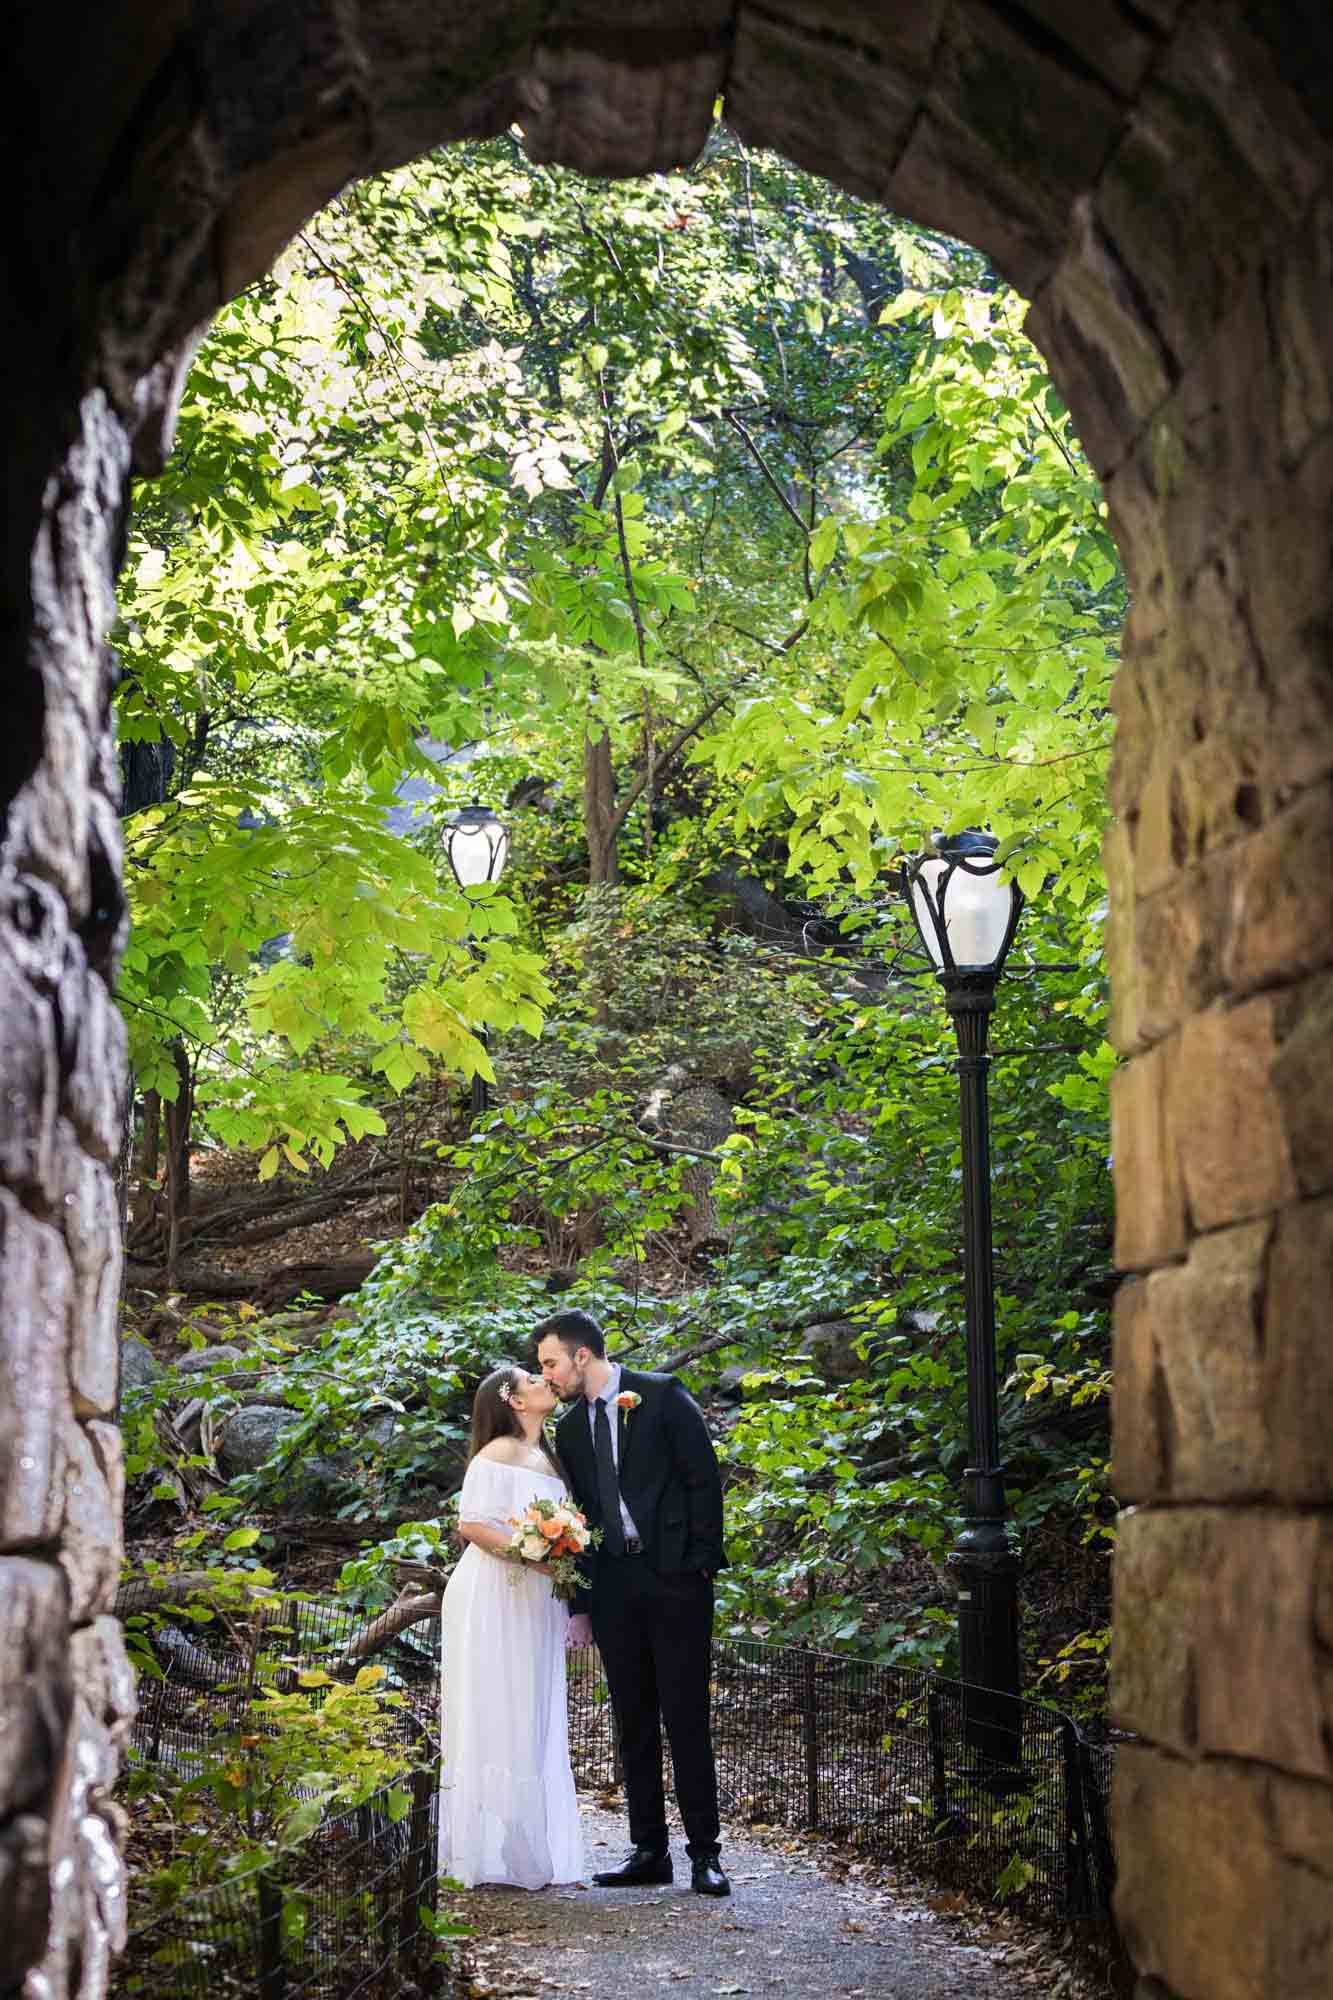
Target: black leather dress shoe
645 1864
706 1877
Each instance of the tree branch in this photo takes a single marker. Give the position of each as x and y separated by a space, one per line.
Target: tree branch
770 477
668 756
399 1616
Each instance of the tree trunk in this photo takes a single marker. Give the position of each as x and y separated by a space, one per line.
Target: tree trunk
178 1120
150 1151
599 807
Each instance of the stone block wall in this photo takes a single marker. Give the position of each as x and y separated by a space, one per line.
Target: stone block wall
66 1694
1206 401
1221 875
1158 178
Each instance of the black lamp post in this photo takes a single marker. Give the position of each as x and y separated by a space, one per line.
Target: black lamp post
477 845
966 914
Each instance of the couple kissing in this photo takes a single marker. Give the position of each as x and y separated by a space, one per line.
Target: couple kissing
630 1492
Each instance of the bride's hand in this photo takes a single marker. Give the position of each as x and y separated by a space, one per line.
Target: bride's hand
579 1630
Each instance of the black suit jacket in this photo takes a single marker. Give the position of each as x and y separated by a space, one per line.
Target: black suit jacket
668 1473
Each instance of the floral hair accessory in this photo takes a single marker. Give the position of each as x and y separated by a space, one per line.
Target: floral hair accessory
628 1399
506 1392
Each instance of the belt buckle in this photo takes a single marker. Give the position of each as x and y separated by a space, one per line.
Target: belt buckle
633 1545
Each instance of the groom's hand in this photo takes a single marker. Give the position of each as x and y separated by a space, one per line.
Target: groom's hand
580 1630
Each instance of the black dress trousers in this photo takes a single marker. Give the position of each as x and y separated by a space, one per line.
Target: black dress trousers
655 1635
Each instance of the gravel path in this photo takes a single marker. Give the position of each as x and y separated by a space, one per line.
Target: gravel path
787 1928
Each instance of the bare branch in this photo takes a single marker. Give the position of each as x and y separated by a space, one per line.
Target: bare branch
770 477
406 1611
668 756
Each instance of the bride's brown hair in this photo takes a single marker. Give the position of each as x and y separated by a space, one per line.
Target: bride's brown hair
494 1417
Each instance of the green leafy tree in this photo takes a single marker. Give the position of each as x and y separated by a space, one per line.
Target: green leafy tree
746 519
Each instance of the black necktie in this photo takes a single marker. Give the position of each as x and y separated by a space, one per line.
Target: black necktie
608 1486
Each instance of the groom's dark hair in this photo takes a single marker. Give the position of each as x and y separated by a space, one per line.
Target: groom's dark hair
573 1330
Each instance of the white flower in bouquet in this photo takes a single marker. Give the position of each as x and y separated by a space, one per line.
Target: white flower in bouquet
553 1533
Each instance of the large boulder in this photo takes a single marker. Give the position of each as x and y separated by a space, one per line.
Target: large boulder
730 1384
139 1366
830 1348
248 1437
317 1484
202 1360
694 1117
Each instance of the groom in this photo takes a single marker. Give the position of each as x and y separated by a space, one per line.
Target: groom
641 1463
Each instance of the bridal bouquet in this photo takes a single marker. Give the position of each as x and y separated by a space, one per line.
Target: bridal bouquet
553 1533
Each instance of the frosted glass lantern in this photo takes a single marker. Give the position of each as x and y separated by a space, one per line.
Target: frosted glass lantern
477 845
965 909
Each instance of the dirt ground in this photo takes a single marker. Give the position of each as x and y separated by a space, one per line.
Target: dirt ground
790 1927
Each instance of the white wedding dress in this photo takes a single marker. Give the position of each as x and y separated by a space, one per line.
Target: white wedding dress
507 1807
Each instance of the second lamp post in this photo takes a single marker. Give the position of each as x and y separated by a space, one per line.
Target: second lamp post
477 846
966 914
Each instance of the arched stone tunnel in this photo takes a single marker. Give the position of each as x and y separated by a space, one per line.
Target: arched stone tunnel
1157 177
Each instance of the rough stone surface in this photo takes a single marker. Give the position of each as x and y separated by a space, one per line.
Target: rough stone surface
35 1416
90 1529
1224 1368
1299 1351
35 1674
1221 1085
61 925
1304 1025
1190 1416
316 1486
247 1438
831 1348
730 1384
1220 936
1249 1915
1281 915
1141 1426
691 1113
1150 1193
1217 1648
203 1360
139 1366
89 1220
1157 178
94 1058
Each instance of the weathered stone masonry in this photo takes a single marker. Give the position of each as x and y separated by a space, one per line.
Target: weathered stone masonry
1221 868
1155 175
64 1683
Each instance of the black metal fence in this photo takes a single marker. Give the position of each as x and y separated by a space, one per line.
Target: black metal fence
341 1918
1004 1797
347 1914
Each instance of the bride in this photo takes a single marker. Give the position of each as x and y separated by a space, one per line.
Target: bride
507 1806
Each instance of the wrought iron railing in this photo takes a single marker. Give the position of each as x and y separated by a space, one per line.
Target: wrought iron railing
339 1920
1005 1797
347 1915
899 1763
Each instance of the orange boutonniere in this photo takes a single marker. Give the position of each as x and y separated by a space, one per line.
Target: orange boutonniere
628 1401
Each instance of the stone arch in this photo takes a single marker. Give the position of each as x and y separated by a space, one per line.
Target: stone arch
1155 176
